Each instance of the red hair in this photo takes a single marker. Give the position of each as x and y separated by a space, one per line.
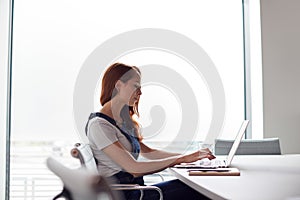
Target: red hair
115 72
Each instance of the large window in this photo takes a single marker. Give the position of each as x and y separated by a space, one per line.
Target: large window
192 75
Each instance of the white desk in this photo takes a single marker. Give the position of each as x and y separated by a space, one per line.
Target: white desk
258 180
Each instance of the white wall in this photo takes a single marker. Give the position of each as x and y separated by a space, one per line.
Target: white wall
281 71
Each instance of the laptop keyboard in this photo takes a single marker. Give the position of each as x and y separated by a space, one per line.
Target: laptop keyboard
213 163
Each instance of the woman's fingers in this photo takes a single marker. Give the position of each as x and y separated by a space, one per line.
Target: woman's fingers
211 156
198 155
206 153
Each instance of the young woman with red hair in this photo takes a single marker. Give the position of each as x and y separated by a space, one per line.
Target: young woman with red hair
116 140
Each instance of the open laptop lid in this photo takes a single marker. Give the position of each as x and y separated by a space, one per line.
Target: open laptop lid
230 156
237 142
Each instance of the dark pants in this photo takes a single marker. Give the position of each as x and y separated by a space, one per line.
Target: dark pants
172 190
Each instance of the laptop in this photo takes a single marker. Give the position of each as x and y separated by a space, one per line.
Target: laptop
219 163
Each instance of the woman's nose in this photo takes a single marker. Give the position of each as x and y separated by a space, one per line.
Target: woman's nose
139 91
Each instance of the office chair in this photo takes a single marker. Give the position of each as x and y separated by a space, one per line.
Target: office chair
269 146
83 152
80 184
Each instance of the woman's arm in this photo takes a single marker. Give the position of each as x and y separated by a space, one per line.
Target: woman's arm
153 154
123 158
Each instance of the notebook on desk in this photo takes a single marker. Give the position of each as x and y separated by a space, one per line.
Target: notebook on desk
219 163
215 172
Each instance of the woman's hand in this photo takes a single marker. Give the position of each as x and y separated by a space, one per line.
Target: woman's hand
206 153
198 155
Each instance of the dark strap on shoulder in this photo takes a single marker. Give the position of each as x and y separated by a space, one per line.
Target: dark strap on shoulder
101 115
107 118
132 139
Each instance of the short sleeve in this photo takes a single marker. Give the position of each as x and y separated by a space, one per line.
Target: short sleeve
101 134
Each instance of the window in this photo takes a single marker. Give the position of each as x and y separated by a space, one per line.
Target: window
54 41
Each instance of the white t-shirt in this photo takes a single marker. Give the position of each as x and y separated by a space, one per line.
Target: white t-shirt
101 134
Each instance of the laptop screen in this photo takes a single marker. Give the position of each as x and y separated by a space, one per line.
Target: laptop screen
237 141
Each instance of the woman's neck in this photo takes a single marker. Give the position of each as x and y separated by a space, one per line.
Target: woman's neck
113 109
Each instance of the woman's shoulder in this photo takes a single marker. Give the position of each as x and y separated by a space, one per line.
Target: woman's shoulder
99 127
98 121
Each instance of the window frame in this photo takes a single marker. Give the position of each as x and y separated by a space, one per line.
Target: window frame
253 68
6 40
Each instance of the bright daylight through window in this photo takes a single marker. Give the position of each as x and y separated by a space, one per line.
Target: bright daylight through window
202 44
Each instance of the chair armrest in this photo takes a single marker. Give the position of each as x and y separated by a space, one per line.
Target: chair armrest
123 185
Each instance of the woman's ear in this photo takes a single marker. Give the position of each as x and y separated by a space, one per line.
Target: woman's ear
118 85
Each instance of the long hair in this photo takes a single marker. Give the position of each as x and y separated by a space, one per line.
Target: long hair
115 72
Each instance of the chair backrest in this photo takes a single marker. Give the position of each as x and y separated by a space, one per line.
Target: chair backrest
84 153
269 146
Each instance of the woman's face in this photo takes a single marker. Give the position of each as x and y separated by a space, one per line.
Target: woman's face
130 91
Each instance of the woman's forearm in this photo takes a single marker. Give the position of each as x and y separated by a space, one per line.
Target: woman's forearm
154 154
123 158
153 166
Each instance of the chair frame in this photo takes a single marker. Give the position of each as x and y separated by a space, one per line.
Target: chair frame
76 152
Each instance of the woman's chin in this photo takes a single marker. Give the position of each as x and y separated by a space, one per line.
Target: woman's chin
131 103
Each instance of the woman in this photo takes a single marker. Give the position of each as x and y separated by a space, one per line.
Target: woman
116 141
